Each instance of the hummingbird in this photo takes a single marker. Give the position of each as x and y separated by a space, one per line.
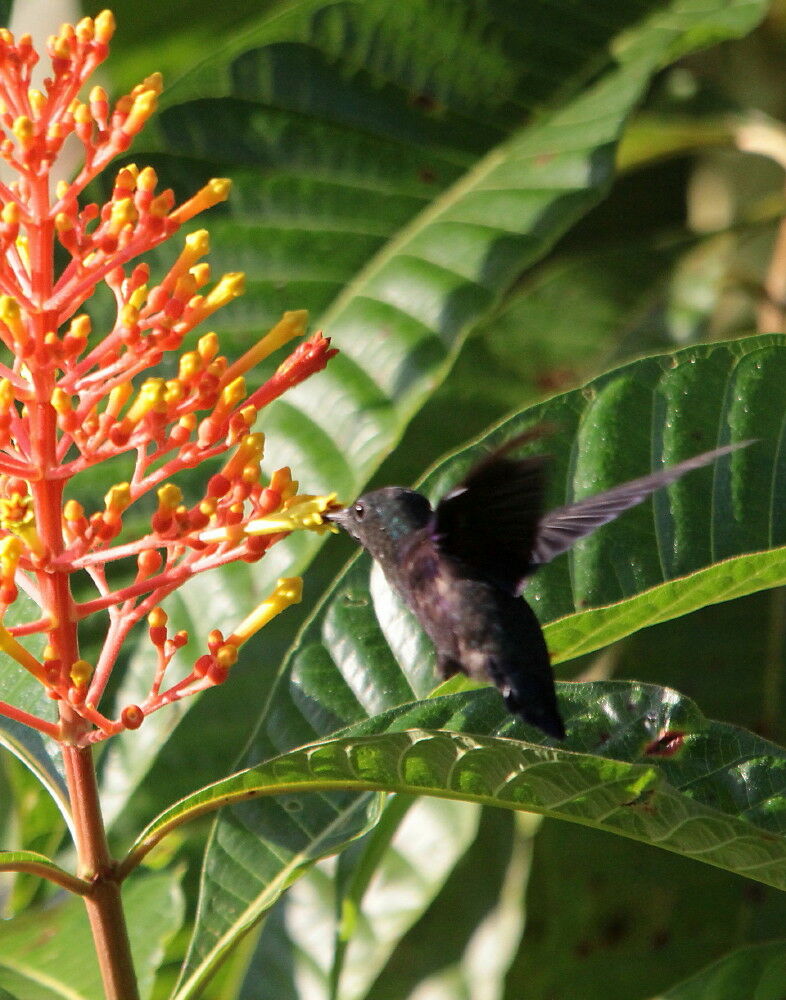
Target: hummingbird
460 566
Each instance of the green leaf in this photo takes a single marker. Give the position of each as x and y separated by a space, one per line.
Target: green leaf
48 953
396 193
758 971
407 858
465 942
19 688
690 539
587 927
398 199
533 345
709 791
364 654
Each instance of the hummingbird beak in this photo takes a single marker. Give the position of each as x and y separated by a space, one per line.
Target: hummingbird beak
336 516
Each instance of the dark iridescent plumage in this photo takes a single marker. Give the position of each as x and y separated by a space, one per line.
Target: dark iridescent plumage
460 566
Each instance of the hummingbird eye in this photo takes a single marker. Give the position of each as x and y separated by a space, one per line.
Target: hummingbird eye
359 510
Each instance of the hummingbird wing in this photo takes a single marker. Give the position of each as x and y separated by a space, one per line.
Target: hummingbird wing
489 522
564 526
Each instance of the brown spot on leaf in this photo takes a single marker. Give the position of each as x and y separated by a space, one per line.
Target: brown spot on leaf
660 939
583 949
615 929
666 745
425 102
642 802
555 379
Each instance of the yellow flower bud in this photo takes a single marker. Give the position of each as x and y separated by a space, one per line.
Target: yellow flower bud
8 644
229 287
104 26
288 591
157 617
197 244
118 498
169 497
138 297
292 324
226 656
61 401
123 213
73 510
151 397
215 191
207 346
118 397
189 366
80 672
147 180
143 107
10 554
11 315
23 130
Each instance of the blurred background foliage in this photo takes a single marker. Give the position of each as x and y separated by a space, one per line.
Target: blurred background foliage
683 248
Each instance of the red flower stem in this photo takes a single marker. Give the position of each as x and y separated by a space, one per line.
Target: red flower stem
104 908
71 291
162 583
29 628
183 689
14 468
42 725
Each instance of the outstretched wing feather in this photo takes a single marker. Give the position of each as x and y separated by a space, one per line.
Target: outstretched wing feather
564 526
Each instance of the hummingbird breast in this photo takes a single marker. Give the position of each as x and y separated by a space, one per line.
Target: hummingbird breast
480 629
459 613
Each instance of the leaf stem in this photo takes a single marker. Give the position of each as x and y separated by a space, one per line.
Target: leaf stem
52 873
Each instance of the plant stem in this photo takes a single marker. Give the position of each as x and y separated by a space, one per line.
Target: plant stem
104 906
96 866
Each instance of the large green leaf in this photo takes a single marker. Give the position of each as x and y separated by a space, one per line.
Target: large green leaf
757 972
47 954
368 897
399 198
587 928
533 346
465 942
706 790
398 194
364 654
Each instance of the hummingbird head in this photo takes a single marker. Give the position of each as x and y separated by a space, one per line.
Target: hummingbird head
384 520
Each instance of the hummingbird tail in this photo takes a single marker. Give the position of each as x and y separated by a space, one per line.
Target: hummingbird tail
545 717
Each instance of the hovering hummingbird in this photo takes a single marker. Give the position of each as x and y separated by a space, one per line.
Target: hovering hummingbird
461 565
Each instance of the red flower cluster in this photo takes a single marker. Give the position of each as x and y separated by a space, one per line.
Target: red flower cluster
72 397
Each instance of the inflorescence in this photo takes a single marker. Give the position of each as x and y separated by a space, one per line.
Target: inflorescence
73 397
